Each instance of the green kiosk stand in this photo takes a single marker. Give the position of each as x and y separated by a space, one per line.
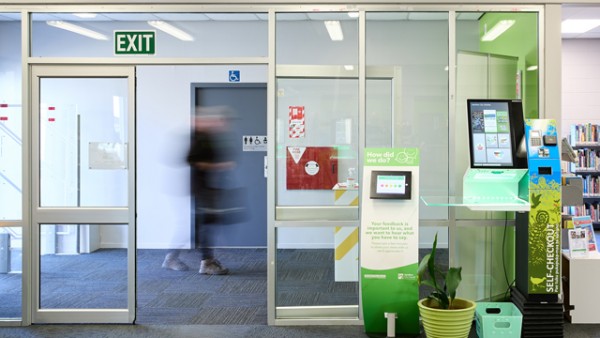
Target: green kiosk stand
389 249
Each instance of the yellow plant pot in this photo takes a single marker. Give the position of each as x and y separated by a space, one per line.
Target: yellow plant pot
454 323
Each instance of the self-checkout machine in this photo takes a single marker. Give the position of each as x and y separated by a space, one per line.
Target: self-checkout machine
538 236
515 166
495 181
390 241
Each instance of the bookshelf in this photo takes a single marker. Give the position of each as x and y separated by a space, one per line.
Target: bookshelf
585 139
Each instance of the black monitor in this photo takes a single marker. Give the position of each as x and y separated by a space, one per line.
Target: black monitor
391 184
496 130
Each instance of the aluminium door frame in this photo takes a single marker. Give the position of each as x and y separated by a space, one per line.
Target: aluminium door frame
79 215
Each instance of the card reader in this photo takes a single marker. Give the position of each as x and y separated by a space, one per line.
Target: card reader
550 140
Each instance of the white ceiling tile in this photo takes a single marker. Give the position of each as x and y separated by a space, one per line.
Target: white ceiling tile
232 16
426 16
182 16
392 16
325 16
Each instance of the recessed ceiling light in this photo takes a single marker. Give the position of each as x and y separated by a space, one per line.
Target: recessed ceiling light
497 30
77 29
348 67
85 15
353 14
579 26
335 30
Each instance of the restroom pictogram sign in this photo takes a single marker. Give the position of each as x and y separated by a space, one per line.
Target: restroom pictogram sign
254 143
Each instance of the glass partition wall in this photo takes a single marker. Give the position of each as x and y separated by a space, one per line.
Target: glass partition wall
317 144
491 63
11 168
343 81
419 70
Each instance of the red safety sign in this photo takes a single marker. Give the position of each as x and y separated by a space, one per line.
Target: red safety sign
296 121
314 168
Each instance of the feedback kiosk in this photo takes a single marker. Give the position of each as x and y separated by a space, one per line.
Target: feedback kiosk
515 166
390 241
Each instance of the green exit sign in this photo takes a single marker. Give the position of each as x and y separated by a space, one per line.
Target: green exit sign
134 42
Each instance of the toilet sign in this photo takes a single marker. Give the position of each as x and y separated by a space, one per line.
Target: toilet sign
254 143
134 42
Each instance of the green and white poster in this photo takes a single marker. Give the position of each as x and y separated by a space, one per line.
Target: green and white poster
544 256
390 239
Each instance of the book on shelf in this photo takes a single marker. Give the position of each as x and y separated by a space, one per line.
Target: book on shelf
586 168
585 223
591 210
585 133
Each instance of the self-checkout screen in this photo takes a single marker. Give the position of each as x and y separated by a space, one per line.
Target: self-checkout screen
491 141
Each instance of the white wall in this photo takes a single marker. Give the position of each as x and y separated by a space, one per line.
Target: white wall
164 106
580 83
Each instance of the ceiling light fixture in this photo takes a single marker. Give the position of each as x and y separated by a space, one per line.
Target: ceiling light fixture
348 67
353 15
85 15
497 30
171 30
77 29
578 26
335 30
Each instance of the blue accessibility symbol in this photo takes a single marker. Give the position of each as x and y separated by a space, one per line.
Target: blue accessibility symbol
234 76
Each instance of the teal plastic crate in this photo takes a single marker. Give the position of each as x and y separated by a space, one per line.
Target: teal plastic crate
498 320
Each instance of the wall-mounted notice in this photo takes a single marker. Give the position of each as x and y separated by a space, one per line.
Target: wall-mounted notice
254 143
311 168
296 121
107 155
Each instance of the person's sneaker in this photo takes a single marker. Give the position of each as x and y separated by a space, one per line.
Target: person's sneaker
172 262
212 267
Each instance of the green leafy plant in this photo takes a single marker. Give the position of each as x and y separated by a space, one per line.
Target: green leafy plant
444 284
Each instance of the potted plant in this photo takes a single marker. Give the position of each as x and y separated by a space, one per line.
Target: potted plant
442 313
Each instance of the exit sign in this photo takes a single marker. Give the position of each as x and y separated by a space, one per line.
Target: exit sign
134 42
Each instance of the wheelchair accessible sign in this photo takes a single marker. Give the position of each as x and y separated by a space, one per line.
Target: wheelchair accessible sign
234 76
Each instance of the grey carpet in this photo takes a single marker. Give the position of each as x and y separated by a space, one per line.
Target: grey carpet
214 331
98 280
186 297
187 304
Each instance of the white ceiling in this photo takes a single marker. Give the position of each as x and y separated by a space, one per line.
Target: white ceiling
582 12
569 12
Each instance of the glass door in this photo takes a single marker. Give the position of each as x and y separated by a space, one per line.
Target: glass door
83 197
